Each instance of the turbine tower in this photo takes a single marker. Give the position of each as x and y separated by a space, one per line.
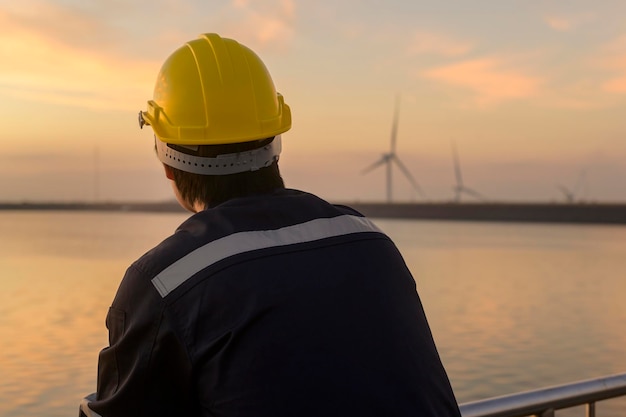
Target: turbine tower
390 158
460 188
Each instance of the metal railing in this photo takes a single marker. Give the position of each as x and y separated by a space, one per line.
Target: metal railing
544 402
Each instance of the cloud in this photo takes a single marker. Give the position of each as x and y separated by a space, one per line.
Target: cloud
616 85
65 24
491 80
567 23
436 44
559 24
77 56
614 59
44 63
267 23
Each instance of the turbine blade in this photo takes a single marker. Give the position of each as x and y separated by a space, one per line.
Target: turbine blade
563 189
408 175
474 193
375 165
567 193
457 166
394 126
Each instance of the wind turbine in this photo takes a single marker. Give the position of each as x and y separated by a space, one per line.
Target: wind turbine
460 188
571 194
390 158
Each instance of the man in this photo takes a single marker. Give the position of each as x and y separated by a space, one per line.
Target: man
267 301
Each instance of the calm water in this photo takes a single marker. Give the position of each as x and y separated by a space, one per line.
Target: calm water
512 306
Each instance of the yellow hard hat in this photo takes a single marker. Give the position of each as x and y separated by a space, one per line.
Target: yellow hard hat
215 91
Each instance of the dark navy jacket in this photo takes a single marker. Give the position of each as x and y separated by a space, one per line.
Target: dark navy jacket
273 305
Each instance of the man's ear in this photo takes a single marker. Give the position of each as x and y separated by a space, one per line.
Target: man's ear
169 173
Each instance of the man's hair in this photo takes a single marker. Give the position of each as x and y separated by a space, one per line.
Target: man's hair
215 189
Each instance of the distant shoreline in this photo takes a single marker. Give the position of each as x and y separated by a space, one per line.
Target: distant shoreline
84 206
591 213
586 213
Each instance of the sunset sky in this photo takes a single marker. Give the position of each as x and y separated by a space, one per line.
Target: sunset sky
532 93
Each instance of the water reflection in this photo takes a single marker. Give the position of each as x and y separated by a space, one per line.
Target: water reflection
59 272
516 307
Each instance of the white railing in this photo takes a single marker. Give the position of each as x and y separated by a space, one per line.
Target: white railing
544 402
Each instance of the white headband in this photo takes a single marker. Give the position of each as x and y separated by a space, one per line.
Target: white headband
231 163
